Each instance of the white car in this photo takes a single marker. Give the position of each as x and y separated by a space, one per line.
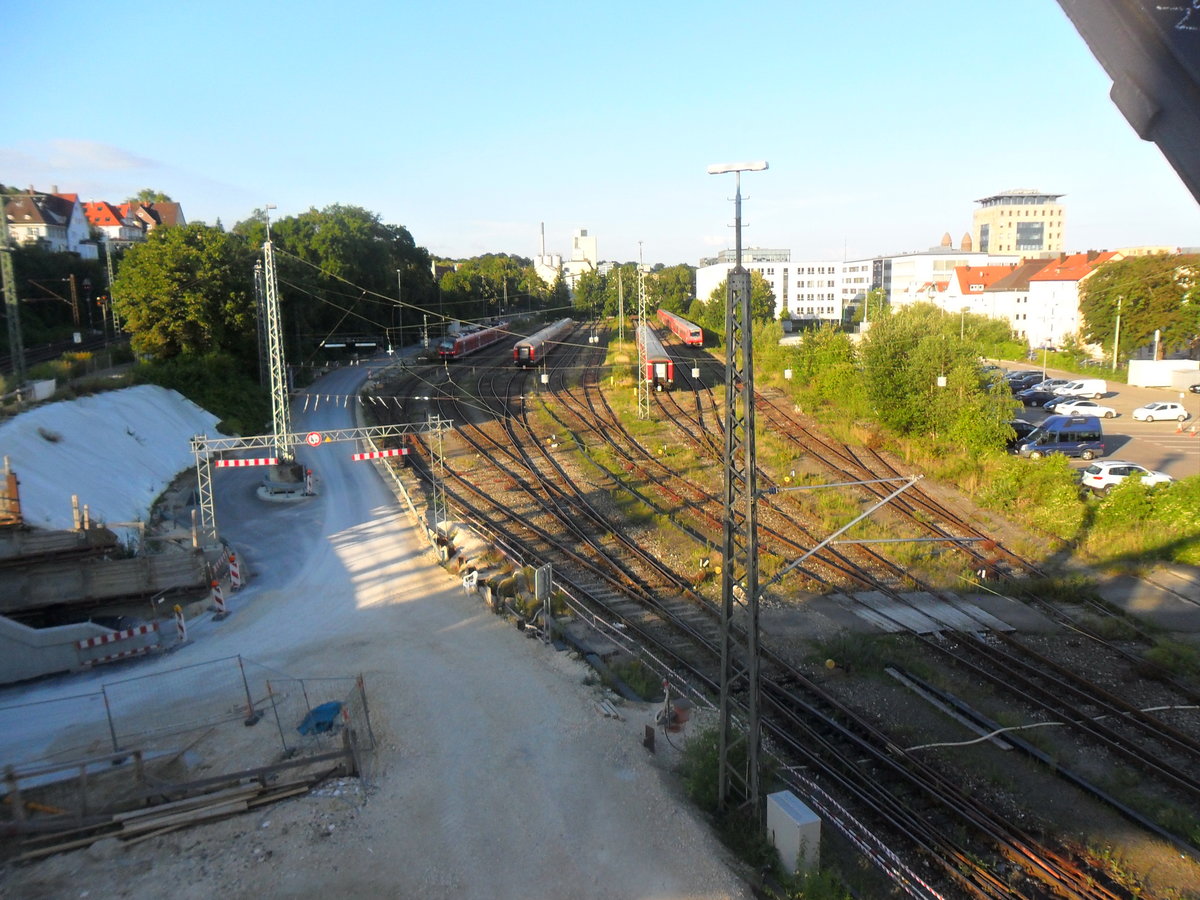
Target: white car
1102 476
1083 408
1161 410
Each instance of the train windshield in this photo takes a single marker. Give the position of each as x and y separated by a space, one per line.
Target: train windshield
446 346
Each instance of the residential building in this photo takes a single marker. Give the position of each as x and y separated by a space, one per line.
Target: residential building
1023 222
153 215
114 226
1054 297
54 220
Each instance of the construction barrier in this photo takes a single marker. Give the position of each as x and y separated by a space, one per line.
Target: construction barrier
118 645
180 625
218 599
235 574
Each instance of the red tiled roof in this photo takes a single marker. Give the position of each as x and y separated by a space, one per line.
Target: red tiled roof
1072 267
982 277
102 213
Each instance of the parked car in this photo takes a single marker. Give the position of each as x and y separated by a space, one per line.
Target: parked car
1077 406
1036 396
1049 384
1195 389
1019 384
1101 477
1079 436
1084 387
1050 404
1022 429
1161 410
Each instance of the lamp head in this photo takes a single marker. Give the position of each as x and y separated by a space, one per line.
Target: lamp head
722 168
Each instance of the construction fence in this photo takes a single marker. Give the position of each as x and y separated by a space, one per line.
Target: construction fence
223 715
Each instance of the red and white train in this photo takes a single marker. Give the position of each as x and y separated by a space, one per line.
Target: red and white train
686 331
533 349
455 346
657 367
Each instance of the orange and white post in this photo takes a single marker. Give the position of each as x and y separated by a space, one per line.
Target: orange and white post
218 600
180 624
235 574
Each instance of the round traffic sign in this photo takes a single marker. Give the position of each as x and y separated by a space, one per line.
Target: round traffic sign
313 439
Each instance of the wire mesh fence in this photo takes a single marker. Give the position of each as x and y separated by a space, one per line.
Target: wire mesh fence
223 715
54 730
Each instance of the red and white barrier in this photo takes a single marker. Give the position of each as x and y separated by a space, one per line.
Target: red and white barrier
146 634
381 454
238 463
235 574
218 599
180 624
88 643
124 654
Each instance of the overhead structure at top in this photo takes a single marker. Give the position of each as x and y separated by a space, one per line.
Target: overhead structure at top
1151 51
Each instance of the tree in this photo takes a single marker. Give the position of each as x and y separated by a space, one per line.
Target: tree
1160 292
340 270
673 288
762 303
188 290
589 294
148 195
904 356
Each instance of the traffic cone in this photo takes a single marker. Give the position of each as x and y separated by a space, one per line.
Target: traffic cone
235 574
218 600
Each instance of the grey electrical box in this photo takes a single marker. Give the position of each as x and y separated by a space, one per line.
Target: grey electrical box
795 830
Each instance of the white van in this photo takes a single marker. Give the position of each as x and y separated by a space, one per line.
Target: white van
1083 387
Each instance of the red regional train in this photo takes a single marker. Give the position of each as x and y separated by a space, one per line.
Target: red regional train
458 345
686 331
659 367
532 350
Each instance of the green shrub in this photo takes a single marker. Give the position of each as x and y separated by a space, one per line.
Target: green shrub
216 383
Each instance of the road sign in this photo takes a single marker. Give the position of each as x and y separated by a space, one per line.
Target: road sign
313 439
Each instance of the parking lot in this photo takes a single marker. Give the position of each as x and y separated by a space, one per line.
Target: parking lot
1166 446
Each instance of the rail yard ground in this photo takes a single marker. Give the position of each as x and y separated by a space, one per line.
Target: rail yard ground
499 775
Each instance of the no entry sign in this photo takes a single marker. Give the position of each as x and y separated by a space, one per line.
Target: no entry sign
313 439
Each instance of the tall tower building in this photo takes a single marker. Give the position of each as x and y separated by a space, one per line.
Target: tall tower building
1021 221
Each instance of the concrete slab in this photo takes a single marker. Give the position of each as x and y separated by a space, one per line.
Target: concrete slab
1150 598
901 617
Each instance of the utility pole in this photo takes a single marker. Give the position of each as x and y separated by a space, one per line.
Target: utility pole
281 418
16 344
108 275
1117 335
739 555
643 394
620 308
400 307
260 302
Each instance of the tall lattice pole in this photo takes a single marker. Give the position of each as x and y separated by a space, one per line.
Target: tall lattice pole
643 396
16 344
739 565
281 416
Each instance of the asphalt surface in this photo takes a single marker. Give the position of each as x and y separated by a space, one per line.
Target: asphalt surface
1164 446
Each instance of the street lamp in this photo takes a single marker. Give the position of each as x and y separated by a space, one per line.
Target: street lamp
737 169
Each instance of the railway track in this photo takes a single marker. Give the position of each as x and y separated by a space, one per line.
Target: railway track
802 715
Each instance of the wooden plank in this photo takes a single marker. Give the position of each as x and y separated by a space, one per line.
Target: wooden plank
187 817
233 793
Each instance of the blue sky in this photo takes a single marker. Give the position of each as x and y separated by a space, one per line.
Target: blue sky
471 123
